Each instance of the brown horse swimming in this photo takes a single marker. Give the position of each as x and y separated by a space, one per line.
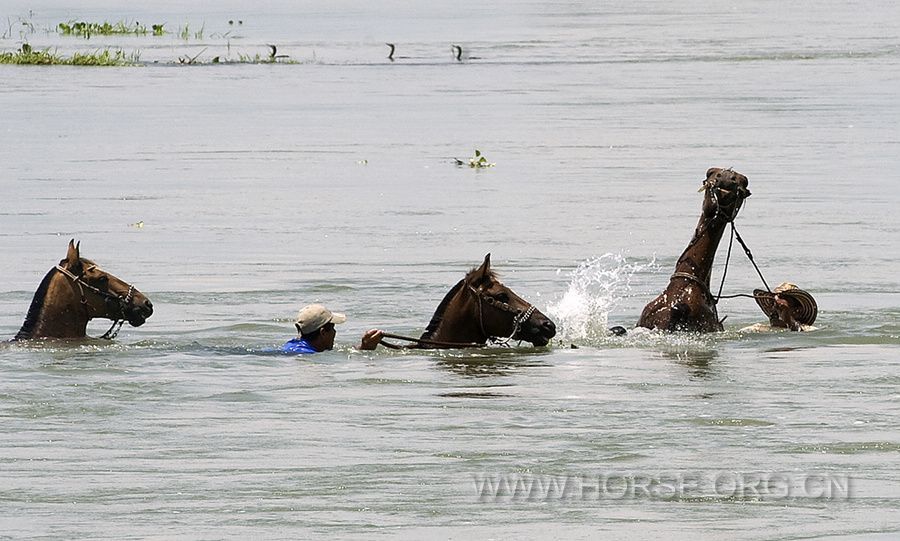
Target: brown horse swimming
76 291
687 304
479 308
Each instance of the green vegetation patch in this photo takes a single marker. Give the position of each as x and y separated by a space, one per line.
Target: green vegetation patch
476 162
104 57
86 29
185 32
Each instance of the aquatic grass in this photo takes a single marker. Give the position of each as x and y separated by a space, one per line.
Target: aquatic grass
44 57
241 59
25 26
27 55
87 29
184 32
193 59
254 59
269 59
272 58
105 57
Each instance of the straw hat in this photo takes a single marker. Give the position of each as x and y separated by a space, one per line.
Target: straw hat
804 306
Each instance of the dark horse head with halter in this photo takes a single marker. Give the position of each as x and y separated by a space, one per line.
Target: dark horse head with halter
480 309
687 304
76 291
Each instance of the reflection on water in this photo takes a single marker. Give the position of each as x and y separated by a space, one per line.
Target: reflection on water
490 362
482 367
700 363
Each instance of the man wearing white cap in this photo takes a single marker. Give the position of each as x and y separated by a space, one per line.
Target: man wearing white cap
315 324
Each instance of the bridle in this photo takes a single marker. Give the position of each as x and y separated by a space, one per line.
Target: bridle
519 316
713 189
743 193
108 298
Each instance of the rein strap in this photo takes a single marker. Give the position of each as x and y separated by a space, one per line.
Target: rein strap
427 342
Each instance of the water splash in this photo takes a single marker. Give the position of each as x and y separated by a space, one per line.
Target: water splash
595 289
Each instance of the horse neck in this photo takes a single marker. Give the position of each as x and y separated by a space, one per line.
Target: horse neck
461 321
697 259
62 315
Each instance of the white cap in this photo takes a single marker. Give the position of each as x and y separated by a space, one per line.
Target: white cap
315 316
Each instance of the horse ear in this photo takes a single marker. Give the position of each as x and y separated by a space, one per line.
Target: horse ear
73 255
712 171
483 272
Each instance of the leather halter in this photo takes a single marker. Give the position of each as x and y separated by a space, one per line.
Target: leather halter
519 316
105 295
712 188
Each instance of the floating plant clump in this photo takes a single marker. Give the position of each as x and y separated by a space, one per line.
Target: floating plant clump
87 29
105 57
478 161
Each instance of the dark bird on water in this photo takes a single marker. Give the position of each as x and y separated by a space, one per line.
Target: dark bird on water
273 53
458 52
391 56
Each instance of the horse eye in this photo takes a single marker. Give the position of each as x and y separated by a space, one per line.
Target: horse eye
104 279
503 297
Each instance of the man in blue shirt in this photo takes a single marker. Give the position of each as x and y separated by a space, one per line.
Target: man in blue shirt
315 324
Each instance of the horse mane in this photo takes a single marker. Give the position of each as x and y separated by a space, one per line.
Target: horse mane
438 316
34 311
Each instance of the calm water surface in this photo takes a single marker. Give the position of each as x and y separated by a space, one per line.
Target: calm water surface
265 187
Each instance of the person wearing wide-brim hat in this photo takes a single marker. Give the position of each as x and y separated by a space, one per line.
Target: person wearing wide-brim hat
315 325
788 306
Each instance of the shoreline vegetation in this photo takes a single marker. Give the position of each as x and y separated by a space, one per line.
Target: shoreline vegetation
29 54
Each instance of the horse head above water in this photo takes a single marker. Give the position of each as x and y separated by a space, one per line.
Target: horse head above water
687 304
76 291
480 308
724 191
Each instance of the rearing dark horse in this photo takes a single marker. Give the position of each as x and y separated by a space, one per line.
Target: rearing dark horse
480 308
687 304
76 291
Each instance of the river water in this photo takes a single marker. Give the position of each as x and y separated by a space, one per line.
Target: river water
264 187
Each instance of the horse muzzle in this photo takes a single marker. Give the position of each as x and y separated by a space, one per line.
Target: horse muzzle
538 331
136 313
730 193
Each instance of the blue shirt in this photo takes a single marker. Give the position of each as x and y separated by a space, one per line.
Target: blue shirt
298 346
